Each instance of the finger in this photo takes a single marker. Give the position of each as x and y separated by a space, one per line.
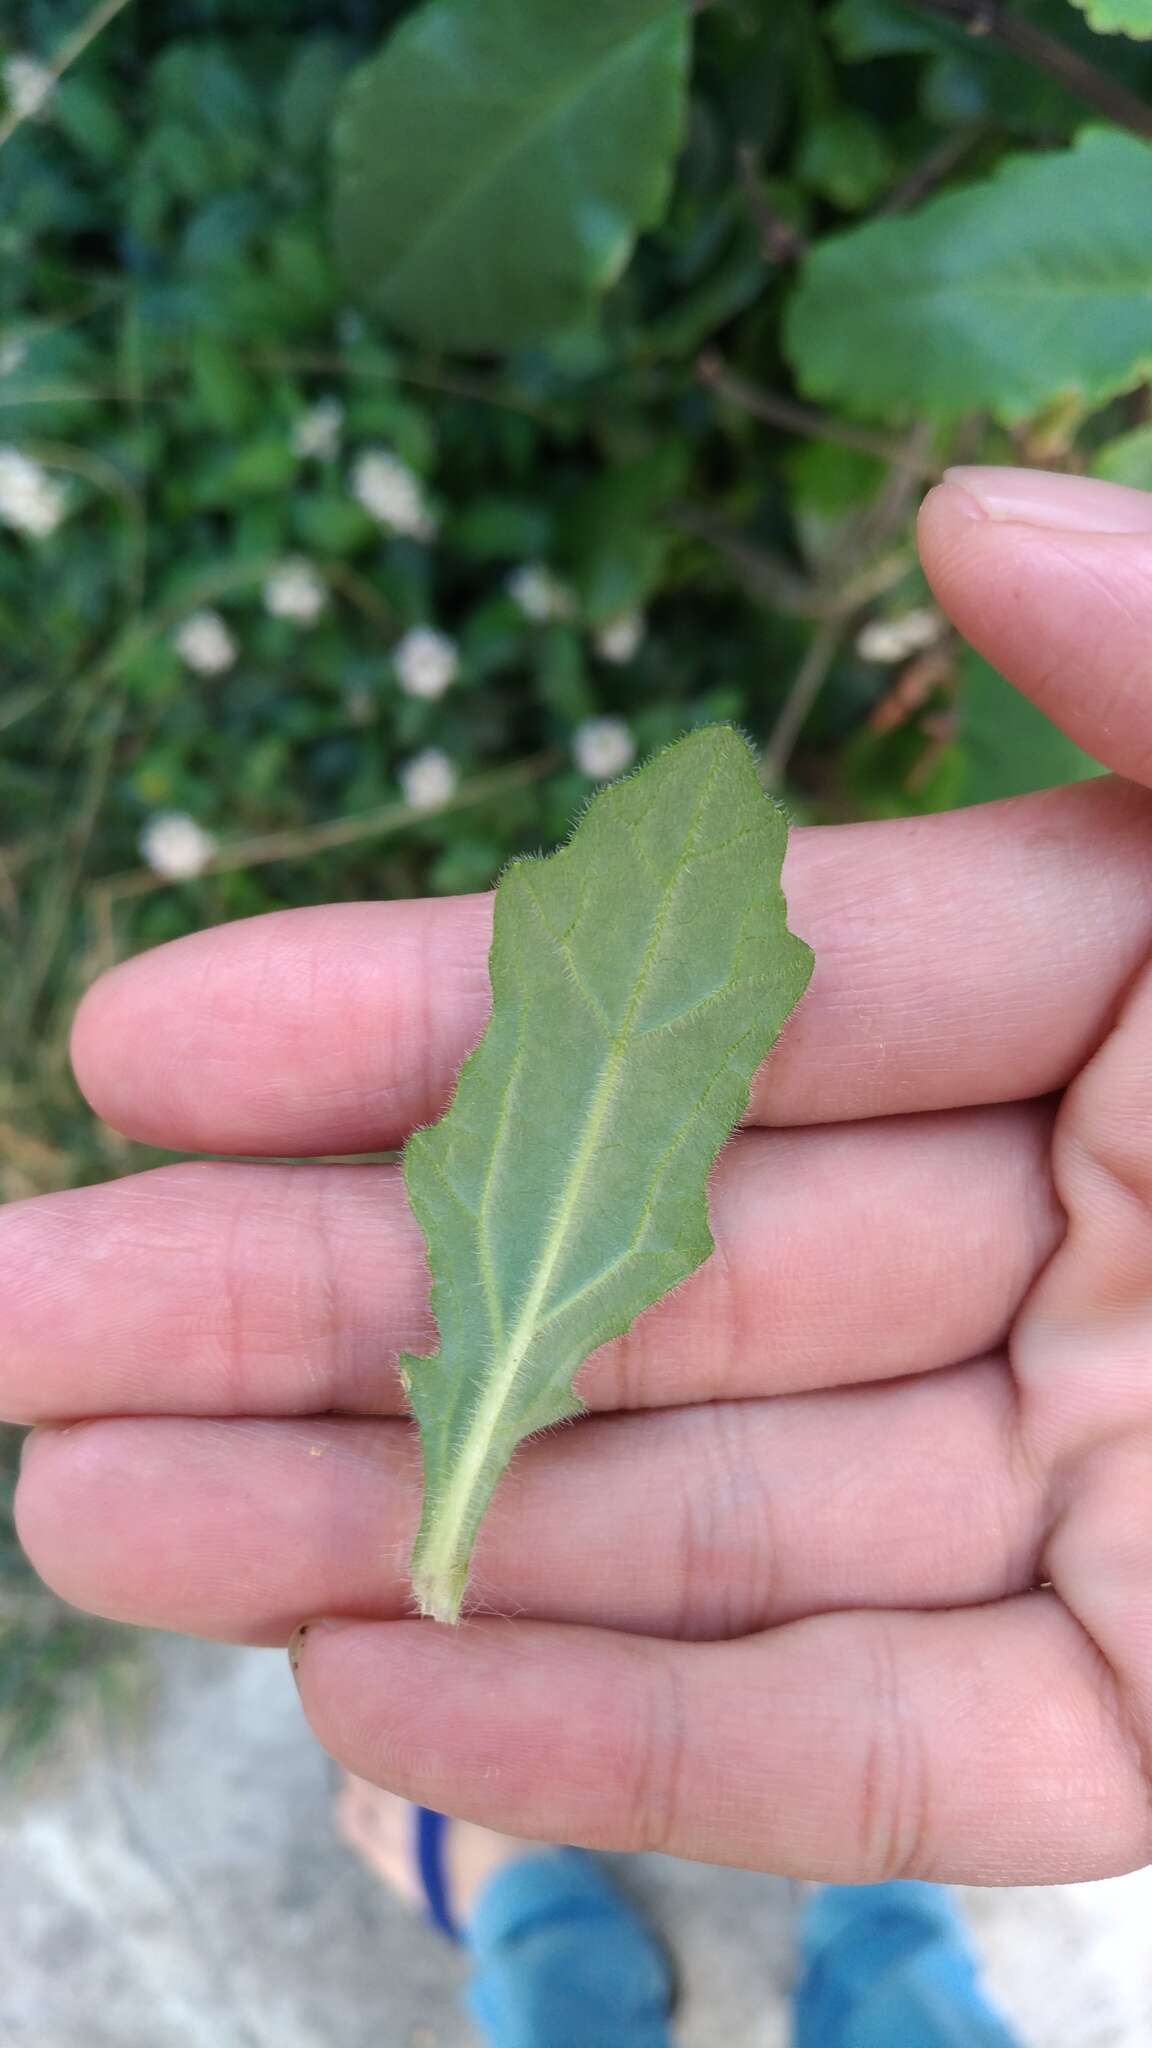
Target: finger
1051 578
981 1747
844 1254
700 1522
961 959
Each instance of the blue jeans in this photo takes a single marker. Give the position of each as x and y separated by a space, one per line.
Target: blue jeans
561 1961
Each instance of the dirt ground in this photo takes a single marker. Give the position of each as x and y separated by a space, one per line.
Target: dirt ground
177 1885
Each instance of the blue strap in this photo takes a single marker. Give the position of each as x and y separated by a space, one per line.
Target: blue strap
430 1830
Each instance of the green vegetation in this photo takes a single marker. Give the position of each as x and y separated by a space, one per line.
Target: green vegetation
301 597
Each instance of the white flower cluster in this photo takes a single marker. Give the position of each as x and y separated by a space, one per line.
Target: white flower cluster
296 590
28 86
175 846
429 779
316 434
426 662
540 594
31 501
204 644
887 641
393 494
603 748
621 639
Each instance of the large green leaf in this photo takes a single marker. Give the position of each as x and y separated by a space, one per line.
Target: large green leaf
1009 747
1119 17
496 161
1028 288
639 976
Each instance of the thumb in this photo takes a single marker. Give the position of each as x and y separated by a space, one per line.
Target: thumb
1050 578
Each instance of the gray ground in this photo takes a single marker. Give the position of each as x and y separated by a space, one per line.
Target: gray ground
182 1889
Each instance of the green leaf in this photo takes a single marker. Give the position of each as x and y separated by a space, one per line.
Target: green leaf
495 163
1010 748
845 157
639 977
1127 459
1119 17
1028 288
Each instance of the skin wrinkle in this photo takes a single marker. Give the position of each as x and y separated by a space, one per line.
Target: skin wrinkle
756 1560
892 1802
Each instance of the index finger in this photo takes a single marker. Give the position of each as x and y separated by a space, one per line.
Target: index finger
970 958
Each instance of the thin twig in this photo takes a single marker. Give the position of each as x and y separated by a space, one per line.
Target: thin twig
804 689
70 49
37 962
767 577
301 842
924 177
793 418
1048 54
780 239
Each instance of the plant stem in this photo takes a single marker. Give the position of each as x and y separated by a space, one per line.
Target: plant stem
806 686
73 47
793 418
1048 54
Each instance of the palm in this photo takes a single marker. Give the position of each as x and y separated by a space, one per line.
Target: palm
843 1573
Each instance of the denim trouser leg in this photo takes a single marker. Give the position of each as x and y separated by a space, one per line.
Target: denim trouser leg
889 1966
562 1962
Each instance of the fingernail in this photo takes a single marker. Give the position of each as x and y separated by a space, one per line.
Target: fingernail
1040 497
294 1647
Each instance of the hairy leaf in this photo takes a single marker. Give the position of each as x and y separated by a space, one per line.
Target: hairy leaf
1119 17
496 161
1030 287
639 976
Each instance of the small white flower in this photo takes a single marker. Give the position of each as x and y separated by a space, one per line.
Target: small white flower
316 434
28 86
603 748
31 501
295 590
621 639
175 846
393 494
429 780
426 662
539 593
891 640
13 354
204 644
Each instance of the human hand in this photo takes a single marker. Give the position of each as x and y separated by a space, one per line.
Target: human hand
849 1574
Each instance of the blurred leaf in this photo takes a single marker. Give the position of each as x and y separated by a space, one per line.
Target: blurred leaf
495 163
310 92
1009 747
846 159
1127 460
504 529
1119 17
86 114
614 537
1006 296
225 392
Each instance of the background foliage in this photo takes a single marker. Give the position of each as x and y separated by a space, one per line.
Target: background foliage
869 243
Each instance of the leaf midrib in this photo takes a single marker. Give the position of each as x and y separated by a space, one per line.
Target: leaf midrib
487 1415
422 241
